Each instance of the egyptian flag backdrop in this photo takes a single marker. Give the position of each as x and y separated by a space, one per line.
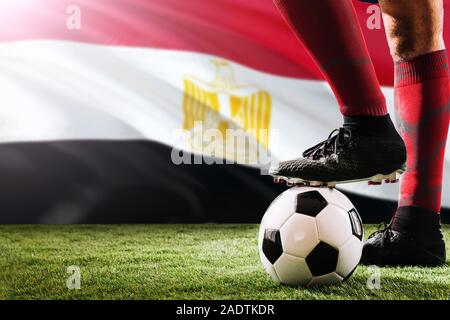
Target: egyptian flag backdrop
94 92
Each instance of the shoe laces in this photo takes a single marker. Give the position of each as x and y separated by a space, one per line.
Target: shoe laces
337 139
385 229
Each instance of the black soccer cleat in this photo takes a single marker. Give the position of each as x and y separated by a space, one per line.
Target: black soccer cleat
350 154
388 247
413 238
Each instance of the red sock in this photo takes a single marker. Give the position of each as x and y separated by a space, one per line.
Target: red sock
330 31
422 99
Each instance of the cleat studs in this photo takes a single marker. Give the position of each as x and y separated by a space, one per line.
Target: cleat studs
289 184
390 177
315 183
331 185
377 179
373 183
394 181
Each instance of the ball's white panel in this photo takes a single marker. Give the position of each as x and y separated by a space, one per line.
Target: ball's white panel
299 235
279 211
327 279
336 197
268 266
334 225
349 256
292 270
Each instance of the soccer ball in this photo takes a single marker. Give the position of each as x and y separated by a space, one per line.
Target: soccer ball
310 237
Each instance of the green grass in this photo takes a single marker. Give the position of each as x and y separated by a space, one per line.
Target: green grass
174 262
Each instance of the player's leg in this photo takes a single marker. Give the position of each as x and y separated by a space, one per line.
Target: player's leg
368 144
422 98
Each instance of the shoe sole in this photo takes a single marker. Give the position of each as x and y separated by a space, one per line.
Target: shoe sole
377 179
427 259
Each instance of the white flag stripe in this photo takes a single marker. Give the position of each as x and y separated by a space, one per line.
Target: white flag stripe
58 90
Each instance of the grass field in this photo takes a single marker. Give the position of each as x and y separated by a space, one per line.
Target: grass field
174 262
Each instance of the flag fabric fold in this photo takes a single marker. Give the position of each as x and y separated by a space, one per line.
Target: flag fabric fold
95 97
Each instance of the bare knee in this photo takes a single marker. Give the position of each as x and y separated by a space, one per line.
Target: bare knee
413 28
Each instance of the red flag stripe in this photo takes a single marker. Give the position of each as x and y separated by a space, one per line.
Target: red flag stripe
250 32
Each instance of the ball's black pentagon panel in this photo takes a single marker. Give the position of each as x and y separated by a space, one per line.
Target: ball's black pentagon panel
310 203
271 245
322 260
357 226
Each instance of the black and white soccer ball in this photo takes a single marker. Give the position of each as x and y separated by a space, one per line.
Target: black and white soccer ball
310 236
